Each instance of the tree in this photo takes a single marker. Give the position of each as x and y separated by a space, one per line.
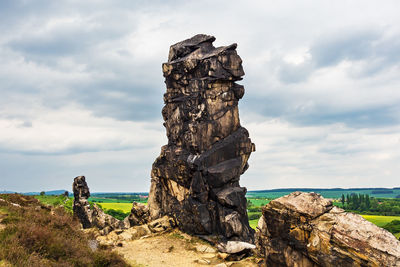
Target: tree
343 200
42 193
367 202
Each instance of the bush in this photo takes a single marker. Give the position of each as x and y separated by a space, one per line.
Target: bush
393 226
254 216
118 214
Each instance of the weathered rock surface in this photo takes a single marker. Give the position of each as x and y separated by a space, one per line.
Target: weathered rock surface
195 179
233 247
91 216
139 215
304 229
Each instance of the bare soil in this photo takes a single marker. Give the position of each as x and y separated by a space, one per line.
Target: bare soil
175 249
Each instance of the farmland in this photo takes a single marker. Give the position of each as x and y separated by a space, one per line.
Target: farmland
125 207
380 220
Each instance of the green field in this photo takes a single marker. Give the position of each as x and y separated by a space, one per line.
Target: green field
125 207
380 220
253 223
107 200
259 202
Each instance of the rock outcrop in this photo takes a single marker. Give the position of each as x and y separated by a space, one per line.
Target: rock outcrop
91 216
139 215
304 229
195 179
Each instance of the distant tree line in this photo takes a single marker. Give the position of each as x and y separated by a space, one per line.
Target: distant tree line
365 204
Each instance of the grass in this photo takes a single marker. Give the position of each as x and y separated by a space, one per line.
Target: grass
37 235
253 223
380 220
125 207
397 235
259 202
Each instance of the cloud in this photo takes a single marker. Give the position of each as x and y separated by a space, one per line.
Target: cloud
73 130
81 88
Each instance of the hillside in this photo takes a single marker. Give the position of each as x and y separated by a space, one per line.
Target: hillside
34 234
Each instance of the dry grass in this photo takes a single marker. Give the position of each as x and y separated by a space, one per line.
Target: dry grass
35 235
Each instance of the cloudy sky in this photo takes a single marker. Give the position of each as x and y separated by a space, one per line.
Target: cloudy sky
81 89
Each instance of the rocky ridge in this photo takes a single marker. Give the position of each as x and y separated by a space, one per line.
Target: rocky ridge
196 177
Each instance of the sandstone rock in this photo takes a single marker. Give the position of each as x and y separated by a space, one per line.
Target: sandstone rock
234 247
304 229
195 179
139 215
91 216
162 224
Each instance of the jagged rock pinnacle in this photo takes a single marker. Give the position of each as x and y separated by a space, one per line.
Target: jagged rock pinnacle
196 177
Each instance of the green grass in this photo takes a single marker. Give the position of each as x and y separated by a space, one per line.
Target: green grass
125 207
397 235
380 220
52 200
253 223
259 202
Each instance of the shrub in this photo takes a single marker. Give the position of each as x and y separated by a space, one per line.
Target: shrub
393 226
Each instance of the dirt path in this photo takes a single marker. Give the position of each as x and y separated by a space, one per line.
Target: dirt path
174 249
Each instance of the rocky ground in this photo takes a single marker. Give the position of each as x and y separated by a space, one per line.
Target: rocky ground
158 244
176 249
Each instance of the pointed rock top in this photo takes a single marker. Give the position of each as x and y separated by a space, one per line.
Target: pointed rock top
187 46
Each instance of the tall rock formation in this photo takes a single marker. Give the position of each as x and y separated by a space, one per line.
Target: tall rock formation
196 177
304 229
91 215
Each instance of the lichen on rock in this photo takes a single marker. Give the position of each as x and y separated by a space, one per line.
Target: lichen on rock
195 179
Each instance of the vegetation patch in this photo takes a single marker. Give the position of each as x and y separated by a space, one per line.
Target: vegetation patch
36 235
124 207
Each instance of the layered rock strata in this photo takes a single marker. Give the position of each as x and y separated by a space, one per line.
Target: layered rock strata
304 229
196 177
91 215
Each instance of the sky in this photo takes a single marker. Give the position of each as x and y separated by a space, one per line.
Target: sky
81 89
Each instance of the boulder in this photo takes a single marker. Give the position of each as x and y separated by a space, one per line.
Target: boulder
304 229
235 247
162 224
195 180
139 215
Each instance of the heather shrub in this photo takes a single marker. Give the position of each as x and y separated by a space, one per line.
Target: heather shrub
34 235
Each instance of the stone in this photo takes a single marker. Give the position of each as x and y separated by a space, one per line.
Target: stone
91 216
304 229
235 247
195 180
81 206
162 224
139 215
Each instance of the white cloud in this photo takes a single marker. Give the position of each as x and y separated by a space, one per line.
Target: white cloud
322 156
